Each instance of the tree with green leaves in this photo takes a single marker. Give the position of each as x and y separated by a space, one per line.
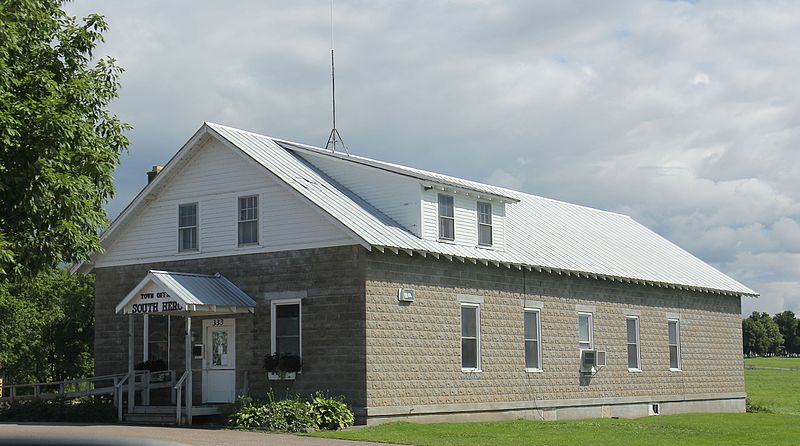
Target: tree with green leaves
788 325
59 143
761 335
47 327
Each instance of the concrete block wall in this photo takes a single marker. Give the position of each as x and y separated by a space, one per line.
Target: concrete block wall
413 351
332 283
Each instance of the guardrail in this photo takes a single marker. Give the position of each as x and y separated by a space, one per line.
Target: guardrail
179 389
144 381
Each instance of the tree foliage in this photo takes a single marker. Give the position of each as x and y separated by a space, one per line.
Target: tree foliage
47 327
789 325
59 144
761 335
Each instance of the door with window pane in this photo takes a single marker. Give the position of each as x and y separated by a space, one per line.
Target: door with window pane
219 361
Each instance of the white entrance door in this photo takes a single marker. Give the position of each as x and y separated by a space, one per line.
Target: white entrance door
219 360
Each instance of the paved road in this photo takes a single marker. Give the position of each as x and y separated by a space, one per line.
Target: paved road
123 435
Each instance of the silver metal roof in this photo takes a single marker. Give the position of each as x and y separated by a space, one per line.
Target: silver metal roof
541 233
200 289
197 292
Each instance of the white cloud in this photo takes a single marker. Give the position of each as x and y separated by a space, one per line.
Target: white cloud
682 114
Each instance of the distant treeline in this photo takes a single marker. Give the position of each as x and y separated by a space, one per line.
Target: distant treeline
763 334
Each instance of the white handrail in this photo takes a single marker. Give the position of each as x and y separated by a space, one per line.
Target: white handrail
179 388
118 394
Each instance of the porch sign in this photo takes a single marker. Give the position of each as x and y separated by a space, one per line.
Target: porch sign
151 299
154 303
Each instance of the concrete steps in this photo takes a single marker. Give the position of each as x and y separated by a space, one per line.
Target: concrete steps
166 416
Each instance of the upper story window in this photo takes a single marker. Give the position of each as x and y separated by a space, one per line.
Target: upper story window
585 331
286 328
447 224
533 349
674 328
634 360
187 227
470 337
484 224
248 220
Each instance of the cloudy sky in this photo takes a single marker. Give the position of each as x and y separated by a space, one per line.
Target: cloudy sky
684 115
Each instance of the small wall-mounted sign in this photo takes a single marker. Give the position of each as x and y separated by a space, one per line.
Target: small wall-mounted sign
197 351
405 294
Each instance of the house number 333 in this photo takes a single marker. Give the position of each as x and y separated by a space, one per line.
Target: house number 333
218 322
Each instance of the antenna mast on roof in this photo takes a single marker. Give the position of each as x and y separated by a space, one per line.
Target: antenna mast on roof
334 138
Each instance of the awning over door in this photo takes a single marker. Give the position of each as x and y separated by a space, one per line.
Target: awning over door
163 292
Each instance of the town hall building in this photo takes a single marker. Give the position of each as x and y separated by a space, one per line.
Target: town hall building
414 295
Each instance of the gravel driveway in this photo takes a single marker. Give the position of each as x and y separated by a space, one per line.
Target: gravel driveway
124 435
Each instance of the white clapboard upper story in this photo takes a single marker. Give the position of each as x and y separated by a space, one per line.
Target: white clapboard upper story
230 192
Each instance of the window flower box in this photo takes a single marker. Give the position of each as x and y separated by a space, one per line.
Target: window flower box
282 367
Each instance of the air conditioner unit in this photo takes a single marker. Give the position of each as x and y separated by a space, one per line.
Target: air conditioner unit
591 360
405 294
600 359
588 361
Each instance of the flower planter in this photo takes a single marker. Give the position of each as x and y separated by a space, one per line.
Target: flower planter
285 376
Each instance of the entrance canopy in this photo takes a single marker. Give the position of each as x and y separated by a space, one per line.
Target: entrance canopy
170 293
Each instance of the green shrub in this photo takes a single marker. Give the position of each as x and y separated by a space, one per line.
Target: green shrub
79 409
292 415
330 413
756 407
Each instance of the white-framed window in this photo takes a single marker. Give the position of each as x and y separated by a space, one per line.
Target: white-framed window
585 331
470 337
447 222
634 355
156 338
248 220
286 327
187 227
533 345
674 327
484 224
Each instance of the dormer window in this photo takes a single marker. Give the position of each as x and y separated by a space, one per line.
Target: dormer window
484 224
447 223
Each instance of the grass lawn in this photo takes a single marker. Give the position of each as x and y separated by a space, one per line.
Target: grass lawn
694 429
778 390
781 363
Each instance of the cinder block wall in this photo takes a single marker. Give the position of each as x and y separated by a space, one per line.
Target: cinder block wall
334 347
413 351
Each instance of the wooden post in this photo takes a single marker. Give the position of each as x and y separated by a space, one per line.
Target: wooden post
131 376
189 385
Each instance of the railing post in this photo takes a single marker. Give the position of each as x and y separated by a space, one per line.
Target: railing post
36 391
189 385
172 385
131 375
146 392
88 388
178 406
116 400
